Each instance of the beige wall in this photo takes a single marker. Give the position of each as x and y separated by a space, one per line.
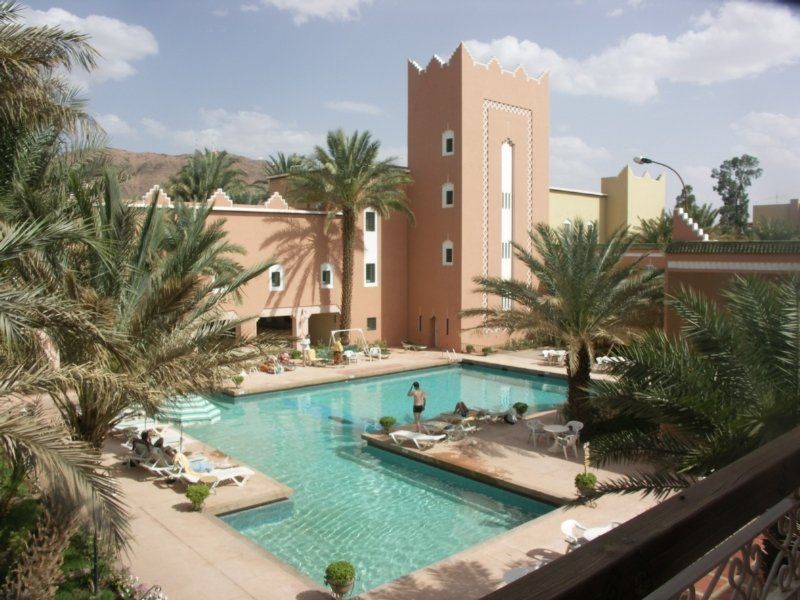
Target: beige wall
789 212
567 205
631 197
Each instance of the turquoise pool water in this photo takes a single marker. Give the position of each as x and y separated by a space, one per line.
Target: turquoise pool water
386 514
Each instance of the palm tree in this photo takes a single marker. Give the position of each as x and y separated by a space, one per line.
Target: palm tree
692 404
657 230
346 178
173 270
585 295
30 92
68 474
204 173
280 163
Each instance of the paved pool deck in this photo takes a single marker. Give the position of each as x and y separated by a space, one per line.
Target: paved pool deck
196 555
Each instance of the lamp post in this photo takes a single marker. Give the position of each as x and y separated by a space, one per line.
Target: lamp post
643 160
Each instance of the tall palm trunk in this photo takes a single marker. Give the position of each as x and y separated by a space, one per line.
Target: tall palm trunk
37 572
348 247
578 382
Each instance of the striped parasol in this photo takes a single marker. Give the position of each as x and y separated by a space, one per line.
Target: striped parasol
190 409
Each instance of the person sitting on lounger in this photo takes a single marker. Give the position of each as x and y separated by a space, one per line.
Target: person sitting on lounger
461 409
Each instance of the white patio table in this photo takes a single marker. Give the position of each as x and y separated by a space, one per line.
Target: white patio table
556 430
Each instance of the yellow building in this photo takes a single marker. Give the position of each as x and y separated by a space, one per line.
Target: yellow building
623 200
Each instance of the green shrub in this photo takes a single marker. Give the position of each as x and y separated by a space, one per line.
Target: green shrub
487 350
521 408
237 380
387 423
585 480
470 348
295 354
197 494
340 572
381 344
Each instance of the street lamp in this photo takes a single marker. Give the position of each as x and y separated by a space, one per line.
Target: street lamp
643 160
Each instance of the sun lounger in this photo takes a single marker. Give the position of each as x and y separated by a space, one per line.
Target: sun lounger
414 347
419 439
238 475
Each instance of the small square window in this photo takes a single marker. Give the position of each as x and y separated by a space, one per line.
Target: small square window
372 323
448 197
370 273
276 279
448 145
326 277
448 256
369 224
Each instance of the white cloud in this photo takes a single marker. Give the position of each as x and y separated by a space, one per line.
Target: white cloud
617 12
249 133
576 164
739 40
153 128
331 10
114 125
774 138
355 107
120 44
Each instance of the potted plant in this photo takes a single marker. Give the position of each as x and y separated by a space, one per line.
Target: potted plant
585 483
237 380
470 348
487 350
521 408
340 576
197 494
387 423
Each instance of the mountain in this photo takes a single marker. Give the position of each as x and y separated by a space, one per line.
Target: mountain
146 169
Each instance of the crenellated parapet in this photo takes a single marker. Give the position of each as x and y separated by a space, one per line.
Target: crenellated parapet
461 56
220 198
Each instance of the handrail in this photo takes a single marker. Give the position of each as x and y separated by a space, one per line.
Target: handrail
642 554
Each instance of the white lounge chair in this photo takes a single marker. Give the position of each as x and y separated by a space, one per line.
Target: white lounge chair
419 439
238 475
576 534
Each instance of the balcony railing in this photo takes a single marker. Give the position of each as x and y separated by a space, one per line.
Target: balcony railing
708 538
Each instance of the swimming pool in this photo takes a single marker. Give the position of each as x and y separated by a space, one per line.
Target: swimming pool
386 514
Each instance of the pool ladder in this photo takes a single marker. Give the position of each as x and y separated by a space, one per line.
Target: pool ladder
451 355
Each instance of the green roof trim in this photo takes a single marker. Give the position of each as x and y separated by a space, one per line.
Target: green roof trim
737 247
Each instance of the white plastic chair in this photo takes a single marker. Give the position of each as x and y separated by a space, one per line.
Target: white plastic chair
537 428
575 427
351 356
568 441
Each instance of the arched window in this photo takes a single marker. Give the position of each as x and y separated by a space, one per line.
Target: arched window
276 278
448 195
447 253
326 276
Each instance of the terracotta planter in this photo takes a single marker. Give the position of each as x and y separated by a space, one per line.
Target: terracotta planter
585 490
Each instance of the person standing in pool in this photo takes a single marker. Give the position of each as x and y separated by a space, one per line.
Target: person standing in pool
419 403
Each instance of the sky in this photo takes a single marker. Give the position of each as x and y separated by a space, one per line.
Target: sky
689 83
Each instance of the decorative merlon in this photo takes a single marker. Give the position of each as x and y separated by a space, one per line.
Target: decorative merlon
220 198
276 201
161 196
